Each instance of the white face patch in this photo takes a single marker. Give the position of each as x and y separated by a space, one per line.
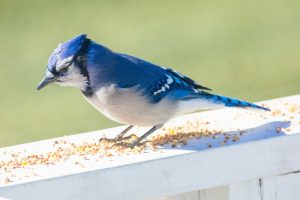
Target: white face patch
62 63
165 86
73 77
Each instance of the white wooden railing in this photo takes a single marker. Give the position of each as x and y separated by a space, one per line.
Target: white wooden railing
239 155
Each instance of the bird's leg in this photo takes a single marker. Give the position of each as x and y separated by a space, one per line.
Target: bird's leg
149 132
120 136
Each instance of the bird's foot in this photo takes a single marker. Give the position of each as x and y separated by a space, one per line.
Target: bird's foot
127 142
131 144
127 138
107 140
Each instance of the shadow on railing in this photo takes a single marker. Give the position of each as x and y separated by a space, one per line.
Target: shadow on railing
264 131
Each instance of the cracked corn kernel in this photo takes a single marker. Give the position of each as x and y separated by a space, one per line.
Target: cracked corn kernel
24 163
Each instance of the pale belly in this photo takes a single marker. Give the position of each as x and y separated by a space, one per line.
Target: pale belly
127 107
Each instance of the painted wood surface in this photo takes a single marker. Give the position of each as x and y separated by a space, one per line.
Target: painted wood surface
194 171
281 187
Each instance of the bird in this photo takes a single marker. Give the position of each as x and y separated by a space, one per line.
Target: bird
130 90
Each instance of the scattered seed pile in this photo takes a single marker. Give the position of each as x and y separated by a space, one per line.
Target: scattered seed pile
105 148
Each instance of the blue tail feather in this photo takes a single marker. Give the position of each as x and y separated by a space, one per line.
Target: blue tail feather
231 102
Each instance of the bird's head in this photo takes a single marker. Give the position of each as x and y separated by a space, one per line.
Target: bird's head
67 64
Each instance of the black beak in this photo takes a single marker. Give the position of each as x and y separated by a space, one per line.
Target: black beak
46 81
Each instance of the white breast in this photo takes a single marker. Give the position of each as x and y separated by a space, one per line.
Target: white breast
129 107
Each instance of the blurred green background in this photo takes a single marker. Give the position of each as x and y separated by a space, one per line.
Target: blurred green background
245 49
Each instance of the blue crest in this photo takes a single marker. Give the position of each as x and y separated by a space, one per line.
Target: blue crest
65 50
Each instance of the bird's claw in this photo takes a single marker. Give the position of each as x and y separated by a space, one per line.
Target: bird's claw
122 141
105 139
131 145
124 144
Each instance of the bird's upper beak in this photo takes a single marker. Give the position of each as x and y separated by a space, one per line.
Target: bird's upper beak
46 81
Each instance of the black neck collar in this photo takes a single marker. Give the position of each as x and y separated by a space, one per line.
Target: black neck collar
81 60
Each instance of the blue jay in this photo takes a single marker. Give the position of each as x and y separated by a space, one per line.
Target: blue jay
127 89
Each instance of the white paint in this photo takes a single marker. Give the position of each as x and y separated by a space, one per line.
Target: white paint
188 172
282 187
167 176
218 193
247 190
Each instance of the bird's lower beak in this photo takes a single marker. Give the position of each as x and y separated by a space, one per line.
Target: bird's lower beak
46 81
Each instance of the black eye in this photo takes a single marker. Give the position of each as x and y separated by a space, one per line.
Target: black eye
64 70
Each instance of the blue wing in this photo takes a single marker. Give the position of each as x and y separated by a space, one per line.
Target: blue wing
155 82
181 90
185 80
173 85
184 89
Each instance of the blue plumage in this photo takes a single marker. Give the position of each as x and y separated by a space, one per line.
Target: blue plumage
229 102
172 85
128 89
68 49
